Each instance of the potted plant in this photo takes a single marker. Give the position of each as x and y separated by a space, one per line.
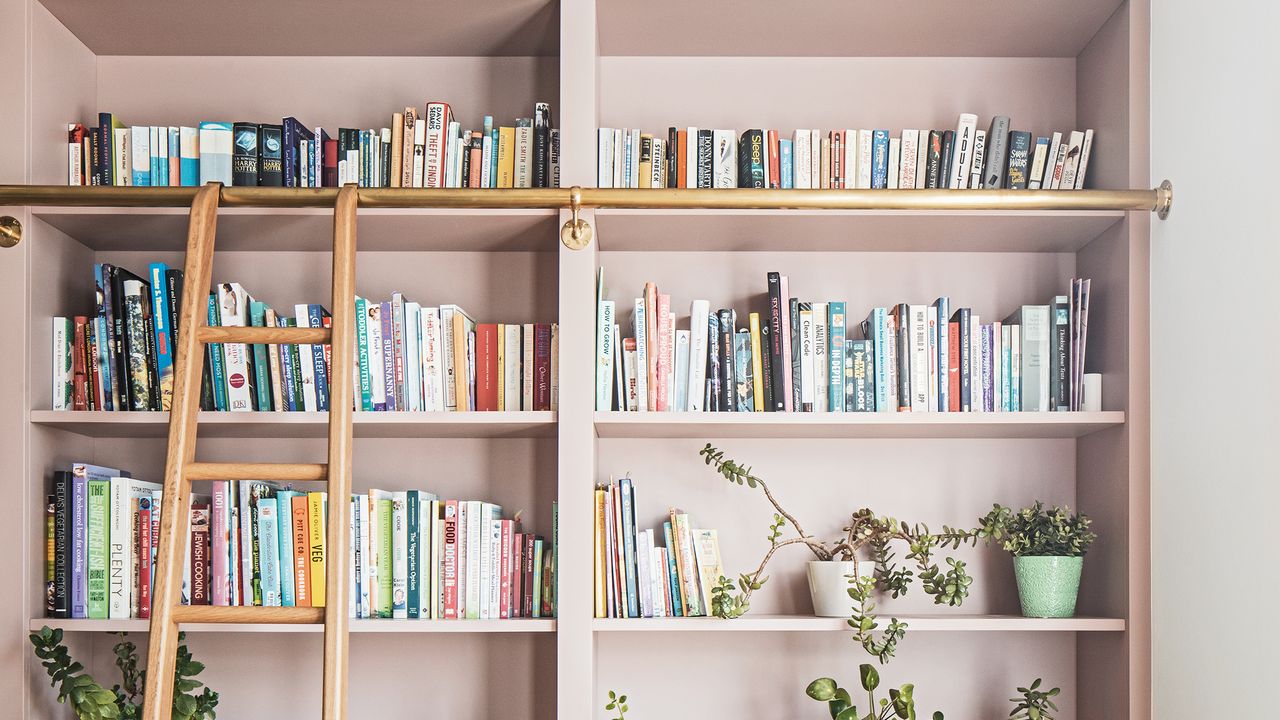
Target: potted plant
1048 547
1033 703
899 704
91 701
834 573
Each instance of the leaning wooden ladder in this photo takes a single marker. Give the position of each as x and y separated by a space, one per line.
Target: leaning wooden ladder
181 468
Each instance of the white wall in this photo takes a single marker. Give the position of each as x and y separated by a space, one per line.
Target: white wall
1215 485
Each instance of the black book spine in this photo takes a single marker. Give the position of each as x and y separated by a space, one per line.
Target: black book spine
270 160
61 544
115 318
1059 356
129 399
153 368
903 333
796 387
744 160
961 316
464 178
766 368
704 158
386 164
541 143
95 157
105 171
773 349
947 157
1019 152
673 156
711 395
756 155
289 151
244 154
728 384
933 162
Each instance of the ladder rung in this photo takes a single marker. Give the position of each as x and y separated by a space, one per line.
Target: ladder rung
265 335
248 615
284 472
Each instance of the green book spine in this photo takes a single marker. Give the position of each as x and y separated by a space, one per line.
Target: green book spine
555 557
384 558
537 578
412 552
295 357
99 507
261 369
362 353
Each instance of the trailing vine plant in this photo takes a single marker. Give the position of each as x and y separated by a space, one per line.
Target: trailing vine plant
878 535
617 703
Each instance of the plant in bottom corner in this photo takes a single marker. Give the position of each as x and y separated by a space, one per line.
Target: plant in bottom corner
834 577
899 704
617 703
1034 703
89 700
1048 547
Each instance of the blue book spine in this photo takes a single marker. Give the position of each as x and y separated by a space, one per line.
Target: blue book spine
413 547
310 159
943 306
786 165
985 349
269 551
315 318
626 492
493 155
289 153
215 153
673 576
102 284
878 331
160 326
261 369
836 333
189 156
79 545
879 159
284 542
218 381
286 371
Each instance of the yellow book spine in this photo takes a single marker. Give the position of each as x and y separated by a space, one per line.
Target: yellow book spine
502 365
460 385
601 597
757 365
315 525
506 157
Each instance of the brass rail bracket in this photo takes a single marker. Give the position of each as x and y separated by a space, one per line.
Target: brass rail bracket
575 233
1164 199
10 231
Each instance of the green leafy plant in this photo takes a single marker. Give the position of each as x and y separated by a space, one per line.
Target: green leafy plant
1034 703
619 703
89 700
899 704
1038 531
948 583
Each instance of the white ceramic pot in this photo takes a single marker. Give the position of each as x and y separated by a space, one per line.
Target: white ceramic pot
829 585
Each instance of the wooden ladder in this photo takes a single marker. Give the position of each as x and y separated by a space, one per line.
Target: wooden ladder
181 468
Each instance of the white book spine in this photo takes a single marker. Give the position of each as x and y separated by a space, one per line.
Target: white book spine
681 370
604 356
366 552
75 163
977 394
802 159
399 555
511 367
864 159
934 370
642 356
1075 146
815 158
617 148
658 561
699 312
419 165
634 150
691 158
919 336
62 350
436 122
431 573
821 348
979 158
643 584
524 157
806 359
1050 160
1085 151
120 553
659 164
1036 174
140 149
301 315
486 159
604 158
907 164
233 306
895 162
432 362
851 161
922 159
1015 365
526 389
724 159
619 381
412 361
963 156
1035 358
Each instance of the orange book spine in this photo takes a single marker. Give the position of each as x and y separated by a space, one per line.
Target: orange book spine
301 552
775 176
682 159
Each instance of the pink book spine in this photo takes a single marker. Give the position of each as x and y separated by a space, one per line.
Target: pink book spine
451 560
786 342
220 552
664 353
504 594
651 341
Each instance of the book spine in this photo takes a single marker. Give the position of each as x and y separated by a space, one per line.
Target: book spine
728 390
318 551
1060 354
777 343
301 537
542 367
796 384
62 544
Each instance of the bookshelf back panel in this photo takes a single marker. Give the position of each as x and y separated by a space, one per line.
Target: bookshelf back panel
966 675
63 90
1039 94
821 482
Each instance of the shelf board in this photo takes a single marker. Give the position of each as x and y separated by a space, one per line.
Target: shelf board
852 230
837 28
853 425
249 27
927 623
311 229
135 625
306 424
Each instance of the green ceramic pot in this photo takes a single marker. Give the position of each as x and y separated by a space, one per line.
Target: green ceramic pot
1048 586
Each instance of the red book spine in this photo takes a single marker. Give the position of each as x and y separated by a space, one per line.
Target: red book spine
477 160
682 157
301 552
541 367
450 560
200 554
664 353
775 178
330 178
79 378
504 591
517 574
144 557
953 367
526 600
487 367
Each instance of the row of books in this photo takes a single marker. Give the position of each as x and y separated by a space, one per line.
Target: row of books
635 576
800 356
412 554
421 149
964 158
408 357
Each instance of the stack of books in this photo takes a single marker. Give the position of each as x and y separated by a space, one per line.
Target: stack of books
635 576
409 357
965 158
412 555
800 356
420 149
